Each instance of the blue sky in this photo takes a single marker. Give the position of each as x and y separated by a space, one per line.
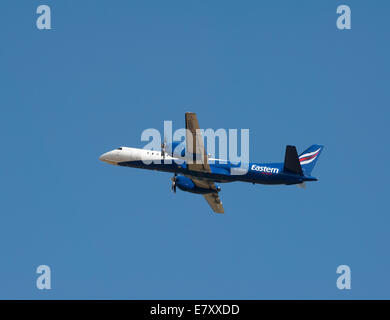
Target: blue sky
107 71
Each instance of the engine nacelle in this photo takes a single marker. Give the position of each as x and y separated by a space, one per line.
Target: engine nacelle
186 184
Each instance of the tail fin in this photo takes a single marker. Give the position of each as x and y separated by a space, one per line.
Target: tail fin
291 161
309 157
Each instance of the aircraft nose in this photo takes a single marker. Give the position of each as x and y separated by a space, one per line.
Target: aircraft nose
103 157
108 157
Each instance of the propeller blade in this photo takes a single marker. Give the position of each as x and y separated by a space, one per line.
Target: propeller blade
164 147
173 179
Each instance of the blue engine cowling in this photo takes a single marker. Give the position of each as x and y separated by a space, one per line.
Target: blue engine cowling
186 184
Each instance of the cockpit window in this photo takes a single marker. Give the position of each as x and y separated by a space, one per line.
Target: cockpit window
119 149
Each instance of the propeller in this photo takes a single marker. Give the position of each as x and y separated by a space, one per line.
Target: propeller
173 179
163 147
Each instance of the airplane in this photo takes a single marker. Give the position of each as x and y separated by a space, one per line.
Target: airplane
200 176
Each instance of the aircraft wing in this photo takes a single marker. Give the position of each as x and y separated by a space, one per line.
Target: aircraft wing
213 199
196 148
214 202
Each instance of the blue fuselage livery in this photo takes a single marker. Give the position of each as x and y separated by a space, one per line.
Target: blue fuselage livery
259 173
200 177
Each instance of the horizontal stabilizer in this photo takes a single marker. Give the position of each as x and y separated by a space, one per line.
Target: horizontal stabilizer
291 161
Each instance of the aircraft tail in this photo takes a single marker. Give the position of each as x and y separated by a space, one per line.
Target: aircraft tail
291 161
309 157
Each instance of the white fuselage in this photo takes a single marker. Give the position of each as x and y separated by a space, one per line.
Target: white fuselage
124 154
